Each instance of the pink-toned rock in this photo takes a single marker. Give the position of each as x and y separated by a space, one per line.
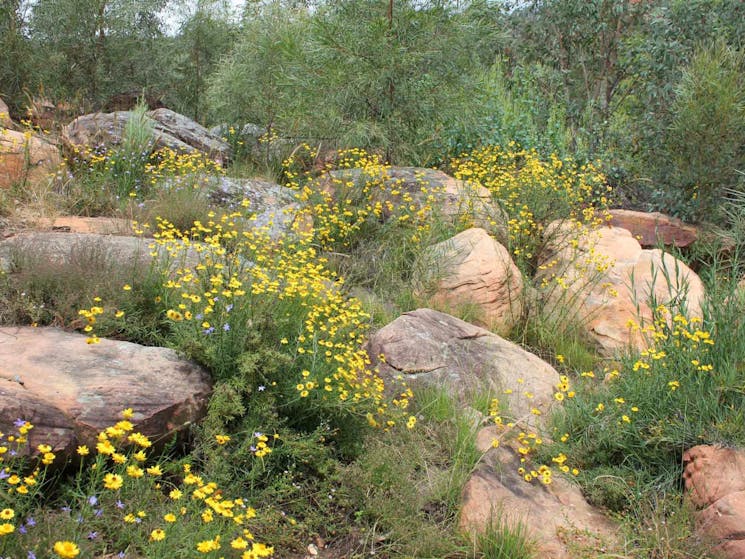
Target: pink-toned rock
25 158
70 390
427 347
78 224
604 280
712 473
715 480
724 519
496 492
474 271
651 229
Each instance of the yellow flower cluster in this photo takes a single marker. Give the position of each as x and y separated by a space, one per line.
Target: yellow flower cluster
168 164
534 192
18 481
226 274
341 204
528 442
207 505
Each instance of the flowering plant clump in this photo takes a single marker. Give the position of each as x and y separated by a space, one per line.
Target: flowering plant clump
122 501
230 290
533 192
358 196
129 175
527 442
640 413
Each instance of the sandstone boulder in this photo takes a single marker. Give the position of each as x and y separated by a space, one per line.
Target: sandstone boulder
427 347
651 229
472 269
25 158
715 480
70 390
604 280
556 517
712 473
170 129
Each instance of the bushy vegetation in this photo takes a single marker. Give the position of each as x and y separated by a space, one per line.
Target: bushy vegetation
656 94
549 111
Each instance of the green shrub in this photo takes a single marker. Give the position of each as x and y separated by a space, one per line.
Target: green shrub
707 136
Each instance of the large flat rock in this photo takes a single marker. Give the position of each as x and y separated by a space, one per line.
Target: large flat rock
60 247
552 515
427 347
170 130
71 390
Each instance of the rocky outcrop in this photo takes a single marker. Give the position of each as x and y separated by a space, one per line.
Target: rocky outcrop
604 281
274 208
715 480
170 130
193 134
556 518
70 390
472 270
652 229
25 158
427 347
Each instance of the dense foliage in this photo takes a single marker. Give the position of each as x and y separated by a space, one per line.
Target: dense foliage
654 89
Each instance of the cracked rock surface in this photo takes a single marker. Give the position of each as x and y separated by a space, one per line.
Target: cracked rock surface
427 347
715 480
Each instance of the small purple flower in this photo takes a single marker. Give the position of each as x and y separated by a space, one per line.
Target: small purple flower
65 509
98 512
258 434
93 500
19 422
119 504
30 521
30 555
22 529
262 388
92 535
226 327
209 330
199 316
121 555
229 307
4 474
252 448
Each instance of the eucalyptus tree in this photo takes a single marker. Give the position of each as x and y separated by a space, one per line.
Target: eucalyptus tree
15 51
94 48
205 35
